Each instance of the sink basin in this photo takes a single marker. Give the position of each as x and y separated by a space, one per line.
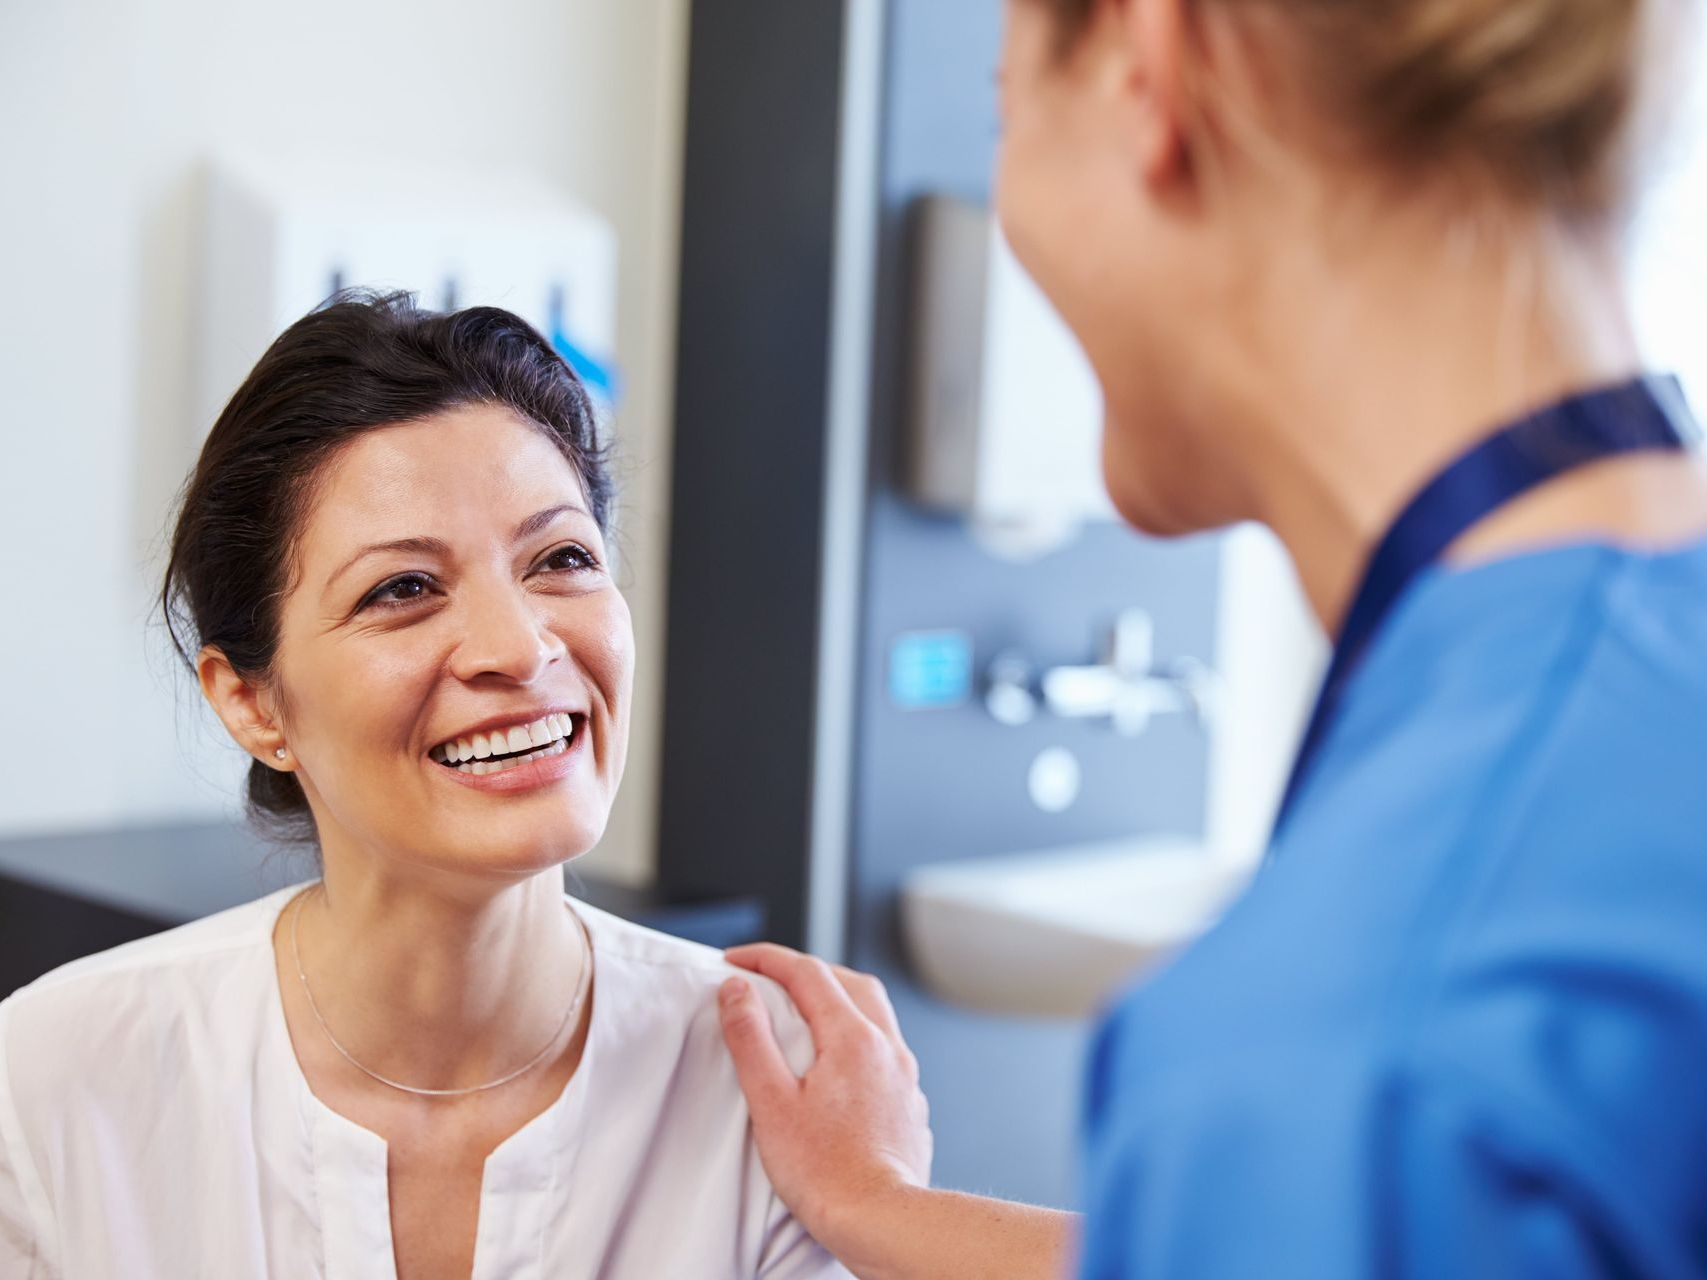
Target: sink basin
1054 933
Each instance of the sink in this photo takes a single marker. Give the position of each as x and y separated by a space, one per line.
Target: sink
1054 933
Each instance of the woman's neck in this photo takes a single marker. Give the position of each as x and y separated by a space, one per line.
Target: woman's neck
438 987
1400 362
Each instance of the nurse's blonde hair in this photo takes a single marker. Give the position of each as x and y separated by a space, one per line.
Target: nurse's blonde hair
1538 96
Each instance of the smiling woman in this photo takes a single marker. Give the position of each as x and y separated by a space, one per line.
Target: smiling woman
389 578
287 435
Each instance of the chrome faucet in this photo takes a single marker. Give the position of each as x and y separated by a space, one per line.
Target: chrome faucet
1127 687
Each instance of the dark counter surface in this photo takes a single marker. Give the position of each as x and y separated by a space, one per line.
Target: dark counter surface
65 896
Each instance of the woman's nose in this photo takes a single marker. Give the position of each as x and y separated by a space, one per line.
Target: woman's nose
505 634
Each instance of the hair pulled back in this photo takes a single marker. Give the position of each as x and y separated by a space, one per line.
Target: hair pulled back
1537 95
359 362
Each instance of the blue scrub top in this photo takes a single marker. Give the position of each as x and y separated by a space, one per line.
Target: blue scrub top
1458 1027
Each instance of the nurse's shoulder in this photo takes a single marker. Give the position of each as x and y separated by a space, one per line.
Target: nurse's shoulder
1476 961
1527 824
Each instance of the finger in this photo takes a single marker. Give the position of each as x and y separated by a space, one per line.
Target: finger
762 1071
869 993
809 983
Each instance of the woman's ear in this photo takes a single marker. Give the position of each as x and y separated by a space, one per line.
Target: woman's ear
247 711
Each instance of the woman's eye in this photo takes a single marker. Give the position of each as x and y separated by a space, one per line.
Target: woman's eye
399 591
571 558
408 588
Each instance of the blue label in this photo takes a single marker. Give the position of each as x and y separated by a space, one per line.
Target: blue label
600 377
930 669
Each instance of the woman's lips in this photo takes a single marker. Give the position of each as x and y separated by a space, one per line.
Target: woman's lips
524 777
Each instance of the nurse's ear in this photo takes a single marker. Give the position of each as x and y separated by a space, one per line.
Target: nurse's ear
248 710
1199 89
1151 61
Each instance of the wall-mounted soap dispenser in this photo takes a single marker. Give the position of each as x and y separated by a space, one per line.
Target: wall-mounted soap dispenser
1004 412
283 236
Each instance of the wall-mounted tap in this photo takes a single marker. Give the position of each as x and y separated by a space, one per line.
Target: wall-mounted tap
1127 687
1008 693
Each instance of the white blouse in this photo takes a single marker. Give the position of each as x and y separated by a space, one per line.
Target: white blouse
155 1125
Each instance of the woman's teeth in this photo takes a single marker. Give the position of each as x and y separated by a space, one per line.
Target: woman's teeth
510 762
547 736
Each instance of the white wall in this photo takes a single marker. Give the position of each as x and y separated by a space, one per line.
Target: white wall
107 110
1270 654
1669 261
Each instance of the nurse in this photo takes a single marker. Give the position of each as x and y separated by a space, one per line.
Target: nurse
1352 270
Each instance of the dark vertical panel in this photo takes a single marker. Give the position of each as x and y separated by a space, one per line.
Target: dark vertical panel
746 508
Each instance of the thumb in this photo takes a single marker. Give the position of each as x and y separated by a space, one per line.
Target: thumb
763 1072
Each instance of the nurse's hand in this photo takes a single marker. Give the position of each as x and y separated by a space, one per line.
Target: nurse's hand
848 1145
856 1127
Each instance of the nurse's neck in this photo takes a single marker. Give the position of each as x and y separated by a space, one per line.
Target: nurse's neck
1373 371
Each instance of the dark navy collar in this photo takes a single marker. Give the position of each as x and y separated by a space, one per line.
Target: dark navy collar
1644 414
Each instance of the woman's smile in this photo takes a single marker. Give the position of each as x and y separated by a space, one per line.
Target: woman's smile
511 737
519 758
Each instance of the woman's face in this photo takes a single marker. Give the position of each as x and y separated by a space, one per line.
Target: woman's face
452 596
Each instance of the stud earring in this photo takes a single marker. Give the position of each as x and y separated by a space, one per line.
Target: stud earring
279 752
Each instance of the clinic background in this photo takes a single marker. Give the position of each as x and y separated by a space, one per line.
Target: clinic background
905 693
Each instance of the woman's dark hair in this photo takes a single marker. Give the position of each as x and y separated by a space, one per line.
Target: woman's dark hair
358 362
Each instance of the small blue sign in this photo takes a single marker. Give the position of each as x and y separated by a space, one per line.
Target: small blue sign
930 669
600 377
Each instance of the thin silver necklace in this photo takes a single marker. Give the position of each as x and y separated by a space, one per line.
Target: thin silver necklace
581 986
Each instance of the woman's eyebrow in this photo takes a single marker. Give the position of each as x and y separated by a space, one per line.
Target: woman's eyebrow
420 546
436 547
540 519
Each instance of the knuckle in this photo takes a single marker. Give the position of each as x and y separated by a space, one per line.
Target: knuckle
868 1040
770 953
818 968
854 977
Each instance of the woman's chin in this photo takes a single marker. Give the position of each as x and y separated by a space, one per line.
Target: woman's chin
517 849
